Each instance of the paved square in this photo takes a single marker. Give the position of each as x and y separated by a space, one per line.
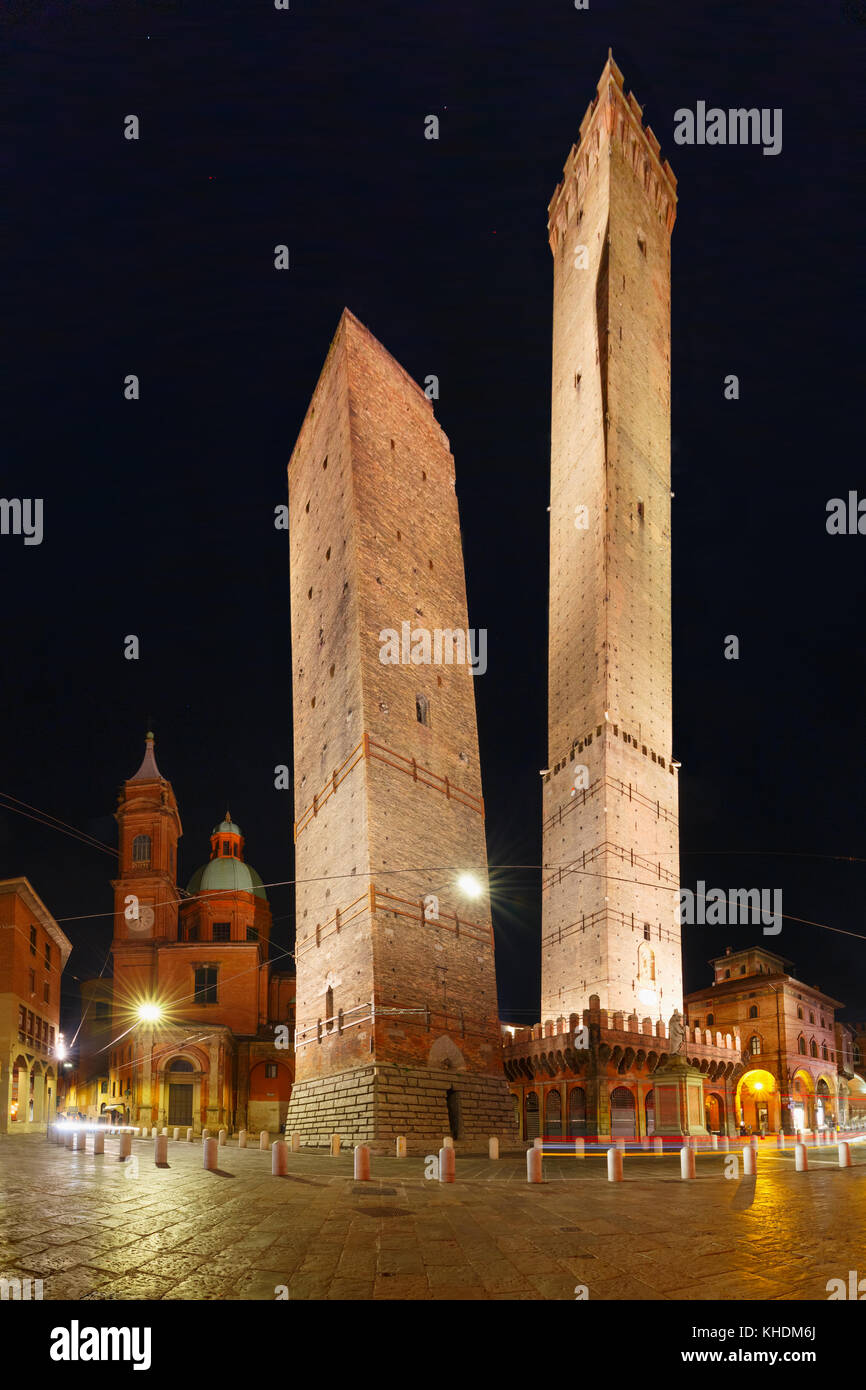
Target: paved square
91 1228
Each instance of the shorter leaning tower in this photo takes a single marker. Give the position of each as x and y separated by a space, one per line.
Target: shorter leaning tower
397 1023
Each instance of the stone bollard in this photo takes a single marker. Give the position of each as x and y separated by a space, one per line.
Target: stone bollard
447 1142
205 1134
264 1140
175 1133
580 1148
99 1141
687 1161
210 1154
160 1149
724 1144
223 1138
125 1146
780 1140
279 1158
296 1143
335 1145
493 1147
534 1161
614 1165
69 1139
801 1158
619 1144
645 1141
658 1145
844 1154
190 1134
401 1146
538 1143
447 1159
714 1141
242 1138
362 1163
154 1132
750 1161
164 1131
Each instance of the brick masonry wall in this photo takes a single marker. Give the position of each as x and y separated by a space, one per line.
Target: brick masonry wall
375 542
610 632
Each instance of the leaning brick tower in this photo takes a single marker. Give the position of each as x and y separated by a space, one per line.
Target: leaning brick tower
397 1023
610 892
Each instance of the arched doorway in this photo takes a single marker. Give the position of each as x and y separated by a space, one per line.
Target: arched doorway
531 1119
180 1092
553 1114
714 1111
649 1110
801 1101
823 1105
622 1113
757 1101
577 1112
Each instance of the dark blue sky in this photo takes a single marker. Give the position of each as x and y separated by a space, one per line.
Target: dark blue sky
261 127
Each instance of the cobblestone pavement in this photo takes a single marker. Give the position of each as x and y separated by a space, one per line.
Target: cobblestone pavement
89 1231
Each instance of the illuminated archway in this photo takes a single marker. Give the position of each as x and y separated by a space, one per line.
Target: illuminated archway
757 1101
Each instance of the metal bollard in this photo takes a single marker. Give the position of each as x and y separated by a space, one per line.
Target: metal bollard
210 1154
362 1163
99 1141
401 1146
447 1171
160 1149
279 1158
614 1164
493 1147
242 1138
844 1154
687 1161
750 1161
264 1140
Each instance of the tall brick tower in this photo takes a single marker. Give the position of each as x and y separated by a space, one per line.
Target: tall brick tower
397 1024
609 925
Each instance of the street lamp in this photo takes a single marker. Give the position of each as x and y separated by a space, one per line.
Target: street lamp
149 1013
470 886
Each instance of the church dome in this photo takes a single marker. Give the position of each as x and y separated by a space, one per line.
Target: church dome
226 876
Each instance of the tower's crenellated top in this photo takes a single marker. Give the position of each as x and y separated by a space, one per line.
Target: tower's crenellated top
613 116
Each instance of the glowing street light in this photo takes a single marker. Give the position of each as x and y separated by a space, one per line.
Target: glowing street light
470 886
149 1013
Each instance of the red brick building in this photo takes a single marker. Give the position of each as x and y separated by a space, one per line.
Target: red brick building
33 954
194 1002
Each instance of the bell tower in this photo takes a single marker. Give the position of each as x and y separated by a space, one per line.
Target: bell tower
611 882
145 891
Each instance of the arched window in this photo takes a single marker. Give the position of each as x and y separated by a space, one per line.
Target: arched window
754 1044
329 1009
753 1011
824 1053
141 849
811 1016
180 1064
813 1048
710 1020
799 1011
646 962
801 1046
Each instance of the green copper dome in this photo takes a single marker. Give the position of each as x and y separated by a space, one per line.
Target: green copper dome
226 825
226 875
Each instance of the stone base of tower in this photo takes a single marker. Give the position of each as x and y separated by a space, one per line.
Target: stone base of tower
373 1105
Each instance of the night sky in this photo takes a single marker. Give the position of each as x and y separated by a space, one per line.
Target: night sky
155 257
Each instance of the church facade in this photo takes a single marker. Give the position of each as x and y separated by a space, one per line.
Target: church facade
195 1025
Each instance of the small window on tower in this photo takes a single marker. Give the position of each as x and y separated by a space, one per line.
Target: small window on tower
422 709
206 984
640 509
646 931
222 931
33 941
252 933
271 1071
641 242
141 849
